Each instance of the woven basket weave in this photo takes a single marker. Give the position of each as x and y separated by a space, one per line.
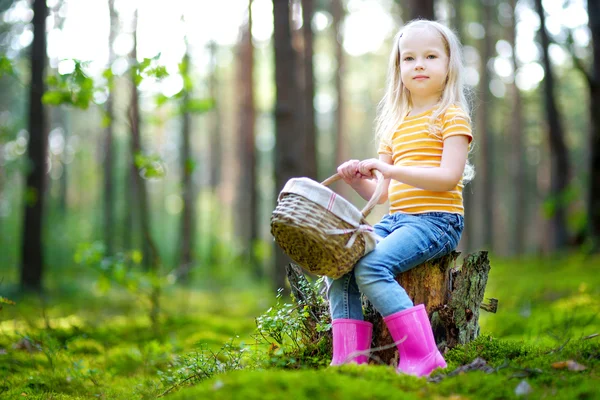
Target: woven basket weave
315 237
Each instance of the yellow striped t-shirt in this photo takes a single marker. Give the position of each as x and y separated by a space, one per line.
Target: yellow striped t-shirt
415 146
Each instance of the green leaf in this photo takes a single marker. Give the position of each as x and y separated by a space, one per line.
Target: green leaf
199 106
4 300
161 99
6 67
55 98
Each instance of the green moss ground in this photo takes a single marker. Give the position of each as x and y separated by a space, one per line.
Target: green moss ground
86 344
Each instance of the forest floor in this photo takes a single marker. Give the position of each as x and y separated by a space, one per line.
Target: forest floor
80 342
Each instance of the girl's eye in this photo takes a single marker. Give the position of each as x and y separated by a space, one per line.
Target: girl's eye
431 56
408 58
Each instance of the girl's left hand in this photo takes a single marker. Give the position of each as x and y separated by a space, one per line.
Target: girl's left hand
365 167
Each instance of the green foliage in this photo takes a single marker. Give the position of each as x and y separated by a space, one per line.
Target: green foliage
198 106
75 88
203 363
150 167
6 67
297 335
124 270
148 68
4 300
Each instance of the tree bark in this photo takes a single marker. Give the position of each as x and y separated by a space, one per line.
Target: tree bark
466 243
485 176
32 251
151 258
341 147
108 138
309 90
290 142
451 295
216 154
421 9
216 132
247 197
186 234
517 168
594 84
559 155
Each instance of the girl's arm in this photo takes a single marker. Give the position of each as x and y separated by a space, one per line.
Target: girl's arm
364 184
437 179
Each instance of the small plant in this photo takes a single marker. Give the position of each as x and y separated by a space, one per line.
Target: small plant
297 334
124 270
4 300
202 364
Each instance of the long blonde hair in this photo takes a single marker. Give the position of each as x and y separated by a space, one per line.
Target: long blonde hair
397 102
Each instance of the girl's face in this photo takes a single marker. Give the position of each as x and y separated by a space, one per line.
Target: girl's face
423 62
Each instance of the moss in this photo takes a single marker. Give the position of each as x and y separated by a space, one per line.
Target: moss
355 382
83 345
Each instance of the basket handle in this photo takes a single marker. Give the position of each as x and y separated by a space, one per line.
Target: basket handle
376 194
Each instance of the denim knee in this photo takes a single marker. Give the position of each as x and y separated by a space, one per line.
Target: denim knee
370 272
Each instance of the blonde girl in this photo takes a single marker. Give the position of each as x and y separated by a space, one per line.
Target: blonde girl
424 134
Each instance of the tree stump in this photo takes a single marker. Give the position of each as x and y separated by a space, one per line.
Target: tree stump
452 296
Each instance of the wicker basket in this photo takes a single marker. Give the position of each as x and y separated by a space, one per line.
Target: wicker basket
321 231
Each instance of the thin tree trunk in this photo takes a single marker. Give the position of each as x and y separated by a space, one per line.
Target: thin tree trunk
151 259
216 153
517 168
215 138
594 84
247 197
421 9
289 157
468 195
309 90
457 19
486 179
32 251
341 147
108 138
559 156
186 235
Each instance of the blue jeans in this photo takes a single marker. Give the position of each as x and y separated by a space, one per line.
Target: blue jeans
408 240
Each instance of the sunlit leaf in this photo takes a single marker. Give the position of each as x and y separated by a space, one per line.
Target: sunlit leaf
199 106
6 67
136 256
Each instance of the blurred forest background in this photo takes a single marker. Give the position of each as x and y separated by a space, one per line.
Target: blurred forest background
158 135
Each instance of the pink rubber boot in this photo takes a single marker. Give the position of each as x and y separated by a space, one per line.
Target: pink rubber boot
349 336
418 352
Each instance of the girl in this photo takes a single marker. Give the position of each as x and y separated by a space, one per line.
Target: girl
423 127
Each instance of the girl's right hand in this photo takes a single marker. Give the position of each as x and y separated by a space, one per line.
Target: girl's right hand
348 171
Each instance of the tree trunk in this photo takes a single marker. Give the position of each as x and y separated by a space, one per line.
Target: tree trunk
186 234
457 19
32 251
466 242
421 9
485 177
594 83
247 199
559 156
341 147
108 138
516 165
151 259
216 132
289 157
451 295
309 91
216 154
